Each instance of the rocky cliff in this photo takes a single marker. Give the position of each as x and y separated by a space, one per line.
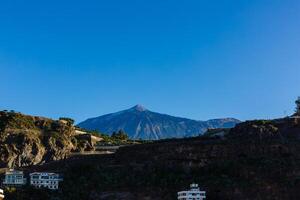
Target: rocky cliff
28 140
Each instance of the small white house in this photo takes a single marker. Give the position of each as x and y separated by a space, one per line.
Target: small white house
14 178
193 194
45 180
1 194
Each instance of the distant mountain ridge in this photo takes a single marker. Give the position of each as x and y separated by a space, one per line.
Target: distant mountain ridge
141 123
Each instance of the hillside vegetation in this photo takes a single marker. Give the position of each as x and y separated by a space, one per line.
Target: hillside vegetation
28 140
255 160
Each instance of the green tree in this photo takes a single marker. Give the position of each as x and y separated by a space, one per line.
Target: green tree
298 106
120 135
69 120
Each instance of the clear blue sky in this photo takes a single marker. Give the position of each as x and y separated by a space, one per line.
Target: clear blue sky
199 59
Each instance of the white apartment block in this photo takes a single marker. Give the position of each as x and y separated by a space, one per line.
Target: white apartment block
193 194
45 180
1 194
14 178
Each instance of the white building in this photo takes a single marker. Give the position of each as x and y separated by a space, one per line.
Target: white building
193 194
45 180
14 178
1 194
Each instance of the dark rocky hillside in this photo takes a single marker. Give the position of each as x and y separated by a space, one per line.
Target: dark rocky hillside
28 140
141 123
255 160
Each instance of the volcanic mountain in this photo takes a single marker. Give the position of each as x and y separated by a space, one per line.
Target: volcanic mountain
141 123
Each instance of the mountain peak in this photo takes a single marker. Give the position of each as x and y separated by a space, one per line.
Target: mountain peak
139 108
140 123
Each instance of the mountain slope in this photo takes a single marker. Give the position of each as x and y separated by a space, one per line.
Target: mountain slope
141 123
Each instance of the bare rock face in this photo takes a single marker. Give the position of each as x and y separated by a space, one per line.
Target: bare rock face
26 151
27 140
